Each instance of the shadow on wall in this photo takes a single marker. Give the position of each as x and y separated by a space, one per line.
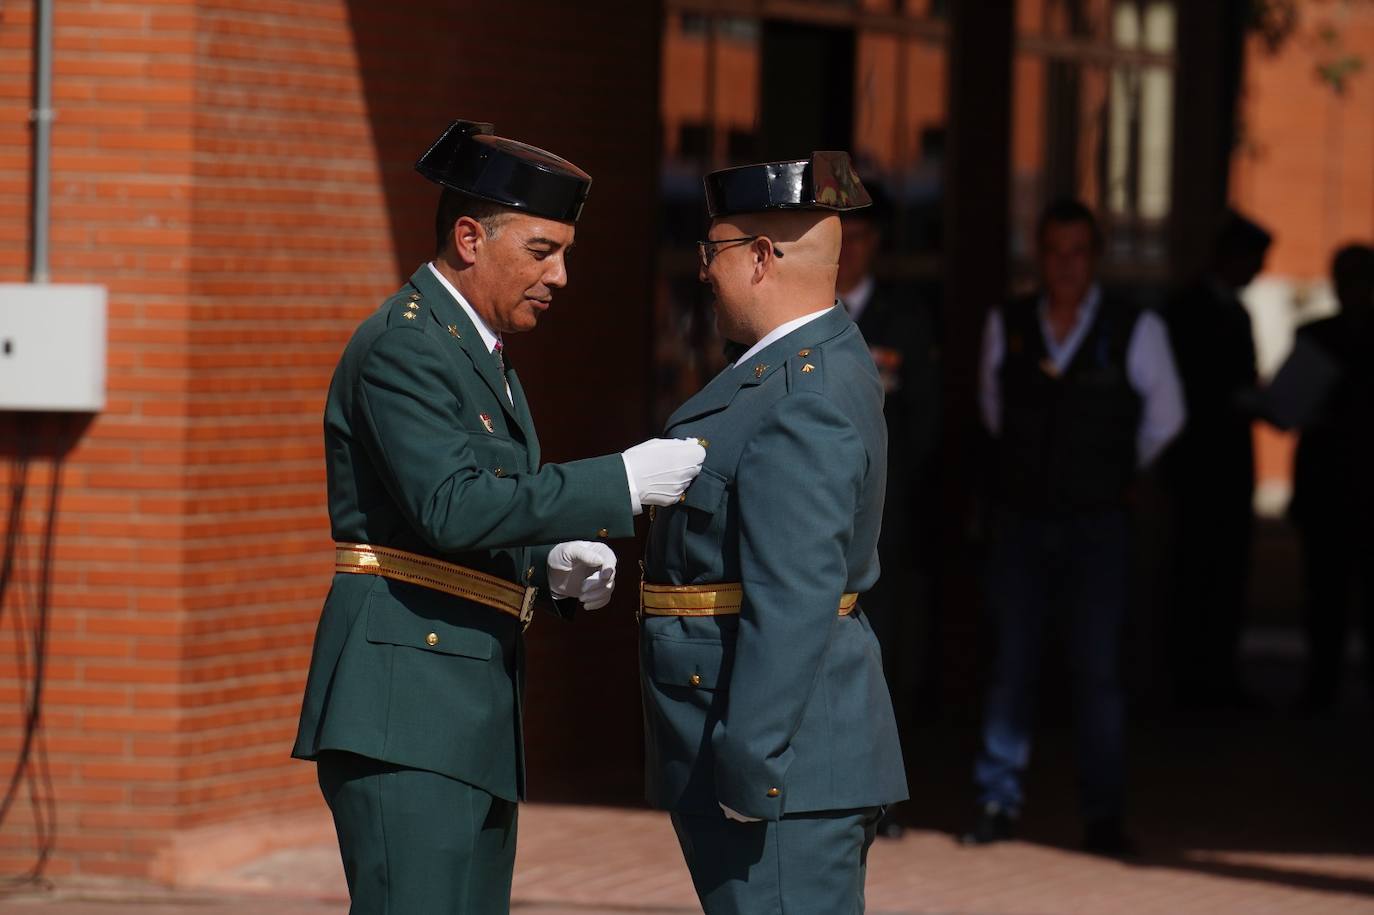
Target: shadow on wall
580 80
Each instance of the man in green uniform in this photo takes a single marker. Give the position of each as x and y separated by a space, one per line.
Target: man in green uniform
770 733
439 507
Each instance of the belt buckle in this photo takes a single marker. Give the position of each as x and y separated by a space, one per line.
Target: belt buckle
527 608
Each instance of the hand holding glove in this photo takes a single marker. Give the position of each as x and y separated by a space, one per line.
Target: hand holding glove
584 570
661 469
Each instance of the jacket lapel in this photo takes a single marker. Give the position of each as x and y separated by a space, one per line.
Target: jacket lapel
717 394
523 417
449 313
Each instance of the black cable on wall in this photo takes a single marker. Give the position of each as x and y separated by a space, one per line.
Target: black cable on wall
28 611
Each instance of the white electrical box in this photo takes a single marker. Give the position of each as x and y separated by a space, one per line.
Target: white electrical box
52 347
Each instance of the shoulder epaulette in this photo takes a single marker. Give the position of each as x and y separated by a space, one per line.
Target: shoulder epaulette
804 370
405 308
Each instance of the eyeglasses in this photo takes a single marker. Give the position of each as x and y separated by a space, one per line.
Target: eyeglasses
707 249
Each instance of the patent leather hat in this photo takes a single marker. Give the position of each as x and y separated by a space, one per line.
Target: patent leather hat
469 157
826 181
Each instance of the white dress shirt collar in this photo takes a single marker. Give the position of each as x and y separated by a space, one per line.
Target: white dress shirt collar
488 338
781 331
1061 352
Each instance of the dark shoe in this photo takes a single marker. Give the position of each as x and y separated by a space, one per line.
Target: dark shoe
994 824
1106 837
888 827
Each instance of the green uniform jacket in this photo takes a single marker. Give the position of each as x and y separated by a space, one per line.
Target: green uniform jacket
787 694
426 454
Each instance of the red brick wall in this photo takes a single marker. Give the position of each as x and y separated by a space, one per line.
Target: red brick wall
1304 164
1303 167
238 174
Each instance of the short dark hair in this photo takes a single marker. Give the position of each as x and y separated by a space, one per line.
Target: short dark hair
1068 211
1352 274
454 205
1239 236
1353 262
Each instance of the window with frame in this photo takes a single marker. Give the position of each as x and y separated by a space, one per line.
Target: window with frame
1093 118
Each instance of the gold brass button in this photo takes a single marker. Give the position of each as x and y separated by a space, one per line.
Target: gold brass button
694 679
705 443
432 639
500 472
773 792
603 533
529 574
808 369
804 353
759 370
682 498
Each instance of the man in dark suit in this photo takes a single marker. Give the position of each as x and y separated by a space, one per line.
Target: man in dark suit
1210 469
902 334
1333 480
446 526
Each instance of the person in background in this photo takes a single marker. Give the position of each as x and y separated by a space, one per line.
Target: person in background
1333 479
1210 471
1078 391
902 334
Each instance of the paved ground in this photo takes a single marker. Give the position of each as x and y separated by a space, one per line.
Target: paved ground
1255 814
1260 816
580 860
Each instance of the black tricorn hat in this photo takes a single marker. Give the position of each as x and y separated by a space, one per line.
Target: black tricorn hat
826 181
470 158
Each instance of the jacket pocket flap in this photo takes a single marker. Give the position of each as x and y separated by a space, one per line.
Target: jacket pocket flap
393 624
707 491
693 663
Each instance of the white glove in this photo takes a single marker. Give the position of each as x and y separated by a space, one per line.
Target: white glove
661 469
584 570
737 817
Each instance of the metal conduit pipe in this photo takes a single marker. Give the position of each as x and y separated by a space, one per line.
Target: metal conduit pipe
42 118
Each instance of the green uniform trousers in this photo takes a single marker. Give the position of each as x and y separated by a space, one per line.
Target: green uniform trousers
808 864
416 842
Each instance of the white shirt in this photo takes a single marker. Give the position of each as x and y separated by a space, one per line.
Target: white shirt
489 339
781 331
1150 370
856 299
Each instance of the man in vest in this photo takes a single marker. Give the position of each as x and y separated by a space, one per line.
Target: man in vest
769 731
1078 391
446 526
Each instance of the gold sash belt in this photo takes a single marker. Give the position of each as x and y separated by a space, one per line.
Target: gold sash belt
437 575
705 600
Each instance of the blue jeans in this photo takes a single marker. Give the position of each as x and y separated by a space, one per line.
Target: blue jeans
1077 565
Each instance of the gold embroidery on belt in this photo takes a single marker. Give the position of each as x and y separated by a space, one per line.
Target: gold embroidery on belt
437 575
706 600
